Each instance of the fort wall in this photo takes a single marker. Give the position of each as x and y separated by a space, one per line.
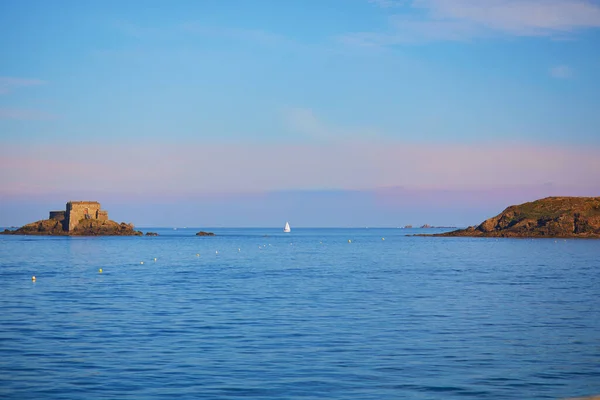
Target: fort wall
75 211
78 210
57 215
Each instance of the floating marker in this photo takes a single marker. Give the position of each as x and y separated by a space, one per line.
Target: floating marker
216 251
33 278
141 262
197 254
349 241
154 259
382 238
100 270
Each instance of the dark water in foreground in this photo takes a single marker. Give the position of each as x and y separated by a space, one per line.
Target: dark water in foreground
302 315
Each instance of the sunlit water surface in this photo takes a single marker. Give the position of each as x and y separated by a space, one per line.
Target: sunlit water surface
256 313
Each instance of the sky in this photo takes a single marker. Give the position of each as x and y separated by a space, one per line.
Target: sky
318 112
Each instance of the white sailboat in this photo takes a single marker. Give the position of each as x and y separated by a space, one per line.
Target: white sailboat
287 228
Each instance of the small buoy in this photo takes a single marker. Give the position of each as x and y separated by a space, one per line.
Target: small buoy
154 259
382 238
100 270
349 241
141 262
33 278
197 254
216 251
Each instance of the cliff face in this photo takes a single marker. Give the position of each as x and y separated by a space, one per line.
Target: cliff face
86 227
563 217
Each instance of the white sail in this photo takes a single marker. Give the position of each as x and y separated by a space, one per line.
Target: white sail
287 227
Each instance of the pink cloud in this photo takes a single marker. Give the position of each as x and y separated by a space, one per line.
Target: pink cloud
519 17
458 20
206 169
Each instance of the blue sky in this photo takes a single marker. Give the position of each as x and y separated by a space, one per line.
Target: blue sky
211 105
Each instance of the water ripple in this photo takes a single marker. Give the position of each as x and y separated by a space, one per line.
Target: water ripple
414 318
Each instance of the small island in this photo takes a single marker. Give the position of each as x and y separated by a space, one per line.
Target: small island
551 217
80 218
202 233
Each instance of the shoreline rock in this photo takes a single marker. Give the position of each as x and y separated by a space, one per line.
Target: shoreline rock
202 233
551 217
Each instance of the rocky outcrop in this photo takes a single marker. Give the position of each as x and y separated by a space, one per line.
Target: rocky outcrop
151 234
94 227
202 233
43 227
558 217
86 227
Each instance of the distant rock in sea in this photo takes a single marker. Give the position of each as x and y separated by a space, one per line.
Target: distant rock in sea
408 226
552 217
202 233
52 227
151 234
80 218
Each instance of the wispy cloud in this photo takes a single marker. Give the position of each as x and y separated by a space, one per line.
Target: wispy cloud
257 36
561 72
202 29
436 20
8 84
306 123
25 114
137 31
409 30
519 17
387 3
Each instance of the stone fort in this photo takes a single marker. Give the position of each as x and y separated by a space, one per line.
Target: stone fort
76 211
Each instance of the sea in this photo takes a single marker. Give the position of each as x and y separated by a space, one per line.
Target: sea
312 314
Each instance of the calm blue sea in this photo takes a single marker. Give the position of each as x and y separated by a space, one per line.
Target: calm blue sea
259 314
